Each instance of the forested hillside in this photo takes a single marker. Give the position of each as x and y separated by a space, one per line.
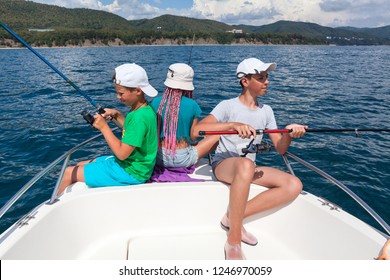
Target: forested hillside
20 14
181 24
48 25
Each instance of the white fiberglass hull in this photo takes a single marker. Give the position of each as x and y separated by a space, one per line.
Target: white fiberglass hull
181 221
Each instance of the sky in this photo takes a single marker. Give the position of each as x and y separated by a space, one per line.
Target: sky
332 13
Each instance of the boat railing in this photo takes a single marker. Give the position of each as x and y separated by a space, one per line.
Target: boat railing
65 158
354 196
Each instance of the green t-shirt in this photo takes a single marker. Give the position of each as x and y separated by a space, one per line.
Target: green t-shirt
140 131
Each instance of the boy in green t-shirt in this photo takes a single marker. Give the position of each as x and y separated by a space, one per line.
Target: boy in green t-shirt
135 154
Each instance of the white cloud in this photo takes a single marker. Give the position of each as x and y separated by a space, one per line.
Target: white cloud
358 13
325 12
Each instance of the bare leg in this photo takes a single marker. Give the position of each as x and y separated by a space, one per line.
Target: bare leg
86 162
206 145
238 172
72 174
283 188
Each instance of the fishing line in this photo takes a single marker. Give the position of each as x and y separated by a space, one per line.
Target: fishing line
93 102
192 46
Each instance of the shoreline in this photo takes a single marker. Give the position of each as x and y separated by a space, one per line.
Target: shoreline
159 45
14 44
200 45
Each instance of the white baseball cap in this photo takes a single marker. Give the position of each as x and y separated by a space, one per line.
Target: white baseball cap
180 76
253 66
133 76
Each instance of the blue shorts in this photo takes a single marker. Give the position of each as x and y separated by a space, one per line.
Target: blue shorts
105 171
183 158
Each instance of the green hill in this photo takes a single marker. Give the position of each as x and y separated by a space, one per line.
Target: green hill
170 23
382 32
20 14
289 27
312 30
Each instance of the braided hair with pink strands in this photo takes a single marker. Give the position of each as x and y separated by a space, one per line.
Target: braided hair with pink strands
171 103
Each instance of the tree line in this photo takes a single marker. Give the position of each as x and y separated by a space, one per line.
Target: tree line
74 37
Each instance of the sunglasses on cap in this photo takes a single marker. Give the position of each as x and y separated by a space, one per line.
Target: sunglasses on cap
263 77
241 75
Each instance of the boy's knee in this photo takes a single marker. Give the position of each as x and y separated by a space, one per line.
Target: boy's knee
295 186
244 170
246 165
68 171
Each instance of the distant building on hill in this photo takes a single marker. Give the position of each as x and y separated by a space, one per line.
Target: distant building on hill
235 31
41 29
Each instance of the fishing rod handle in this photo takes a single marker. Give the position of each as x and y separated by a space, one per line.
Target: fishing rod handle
265 131
258 131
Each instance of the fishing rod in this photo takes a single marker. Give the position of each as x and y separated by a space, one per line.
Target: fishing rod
93 102
192 46
268 131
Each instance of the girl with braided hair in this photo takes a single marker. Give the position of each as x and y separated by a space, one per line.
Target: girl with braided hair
177 114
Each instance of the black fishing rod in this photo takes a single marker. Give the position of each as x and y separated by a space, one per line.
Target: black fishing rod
192 46
93 102
268 131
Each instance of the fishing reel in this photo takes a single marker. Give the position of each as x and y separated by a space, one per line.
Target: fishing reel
88 117
256 148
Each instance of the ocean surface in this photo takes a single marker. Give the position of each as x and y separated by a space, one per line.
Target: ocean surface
319 86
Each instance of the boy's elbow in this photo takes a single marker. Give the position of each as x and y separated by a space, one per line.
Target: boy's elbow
197 129
124 151
194 135
282 151
121 157
194 132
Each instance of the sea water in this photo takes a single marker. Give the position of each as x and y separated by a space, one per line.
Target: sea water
319 86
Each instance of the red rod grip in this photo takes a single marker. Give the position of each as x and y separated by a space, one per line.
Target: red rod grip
258 131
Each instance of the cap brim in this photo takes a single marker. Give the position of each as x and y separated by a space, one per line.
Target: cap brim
149 91
270 67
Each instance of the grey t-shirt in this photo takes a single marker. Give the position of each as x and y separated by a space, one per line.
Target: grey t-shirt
233 110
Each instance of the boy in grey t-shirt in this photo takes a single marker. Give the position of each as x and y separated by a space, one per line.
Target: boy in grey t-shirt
244 114
232 110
